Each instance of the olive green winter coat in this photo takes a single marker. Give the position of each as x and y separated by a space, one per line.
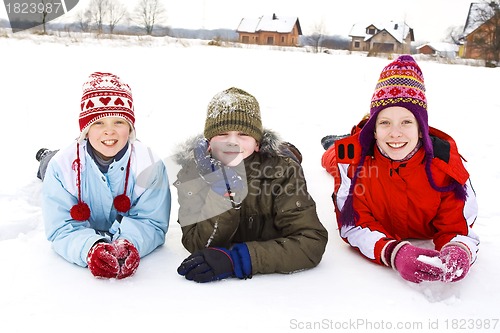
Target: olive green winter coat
277 219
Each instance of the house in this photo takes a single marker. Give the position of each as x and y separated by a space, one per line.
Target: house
388 37
270 30
480 30
444 50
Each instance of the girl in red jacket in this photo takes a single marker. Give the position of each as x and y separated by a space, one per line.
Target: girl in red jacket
397 179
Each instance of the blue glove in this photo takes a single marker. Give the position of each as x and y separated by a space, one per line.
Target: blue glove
222 179
202 157
217 263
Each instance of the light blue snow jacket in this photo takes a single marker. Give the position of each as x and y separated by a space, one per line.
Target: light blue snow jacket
145 224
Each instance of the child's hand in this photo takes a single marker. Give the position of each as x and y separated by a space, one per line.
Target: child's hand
118 259
210 264
102 261
217 263
128 257
204 161
456 263
411 268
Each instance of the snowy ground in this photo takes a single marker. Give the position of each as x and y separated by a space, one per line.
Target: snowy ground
304 96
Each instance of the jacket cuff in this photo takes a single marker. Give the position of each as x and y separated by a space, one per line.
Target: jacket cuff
394 252
241 261
89 244
387 251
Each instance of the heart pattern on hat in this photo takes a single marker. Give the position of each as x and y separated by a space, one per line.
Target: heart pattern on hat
105 100
90 104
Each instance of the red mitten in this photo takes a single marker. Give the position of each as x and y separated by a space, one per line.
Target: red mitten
416 264
102 260
128 257
456 262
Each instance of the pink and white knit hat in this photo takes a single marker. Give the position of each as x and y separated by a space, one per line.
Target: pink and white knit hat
105 95
401 83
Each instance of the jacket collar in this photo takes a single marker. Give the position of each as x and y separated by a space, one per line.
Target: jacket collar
416 160
270 144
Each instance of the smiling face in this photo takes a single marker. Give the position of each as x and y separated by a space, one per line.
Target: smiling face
232 147
108 136
397 132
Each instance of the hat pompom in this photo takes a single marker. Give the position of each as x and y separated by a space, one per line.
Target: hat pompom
122 203
406 57
80 211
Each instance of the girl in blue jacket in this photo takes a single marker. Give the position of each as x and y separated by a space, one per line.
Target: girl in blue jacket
106 197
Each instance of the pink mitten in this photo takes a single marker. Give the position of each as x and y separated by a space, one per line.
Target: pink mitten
413 265
456 262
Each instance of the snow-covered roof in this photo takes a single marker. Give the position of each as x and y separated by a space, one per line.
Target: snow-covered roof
398 30
479 13
272 23
441 47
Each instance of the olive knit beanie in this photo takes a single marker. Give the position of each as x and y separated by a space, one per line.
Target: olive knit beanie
233 110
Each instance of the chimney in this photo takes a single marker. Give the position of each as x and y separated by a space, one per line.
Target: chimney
396 26
274 16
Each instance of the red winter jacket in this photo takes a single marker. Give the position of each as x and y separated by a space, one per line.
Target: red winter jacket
395 200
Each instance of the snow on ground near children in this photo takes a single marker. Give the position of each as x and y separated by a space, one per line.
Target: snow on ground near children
304 96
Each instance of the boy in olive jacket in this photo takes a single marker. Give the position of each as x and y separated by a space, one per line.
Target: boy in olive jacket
244 205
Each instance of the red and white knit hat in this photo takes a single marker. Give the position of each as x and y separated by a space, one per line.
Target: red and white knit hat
105 95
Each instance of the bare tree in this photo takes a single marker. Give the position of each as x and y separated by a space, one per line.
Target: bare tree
486 39
84 18
149 13
453 34
49 12
316 39
115 13
98 10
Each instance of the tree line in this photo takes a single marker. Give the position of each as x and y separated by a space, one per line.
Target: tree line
105 15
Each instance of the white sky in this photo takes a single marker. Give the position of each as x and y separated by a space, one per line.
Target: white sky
429 18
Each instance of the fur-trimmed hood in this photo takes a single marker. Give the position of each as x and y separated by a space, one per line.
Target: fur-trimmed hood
271 144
